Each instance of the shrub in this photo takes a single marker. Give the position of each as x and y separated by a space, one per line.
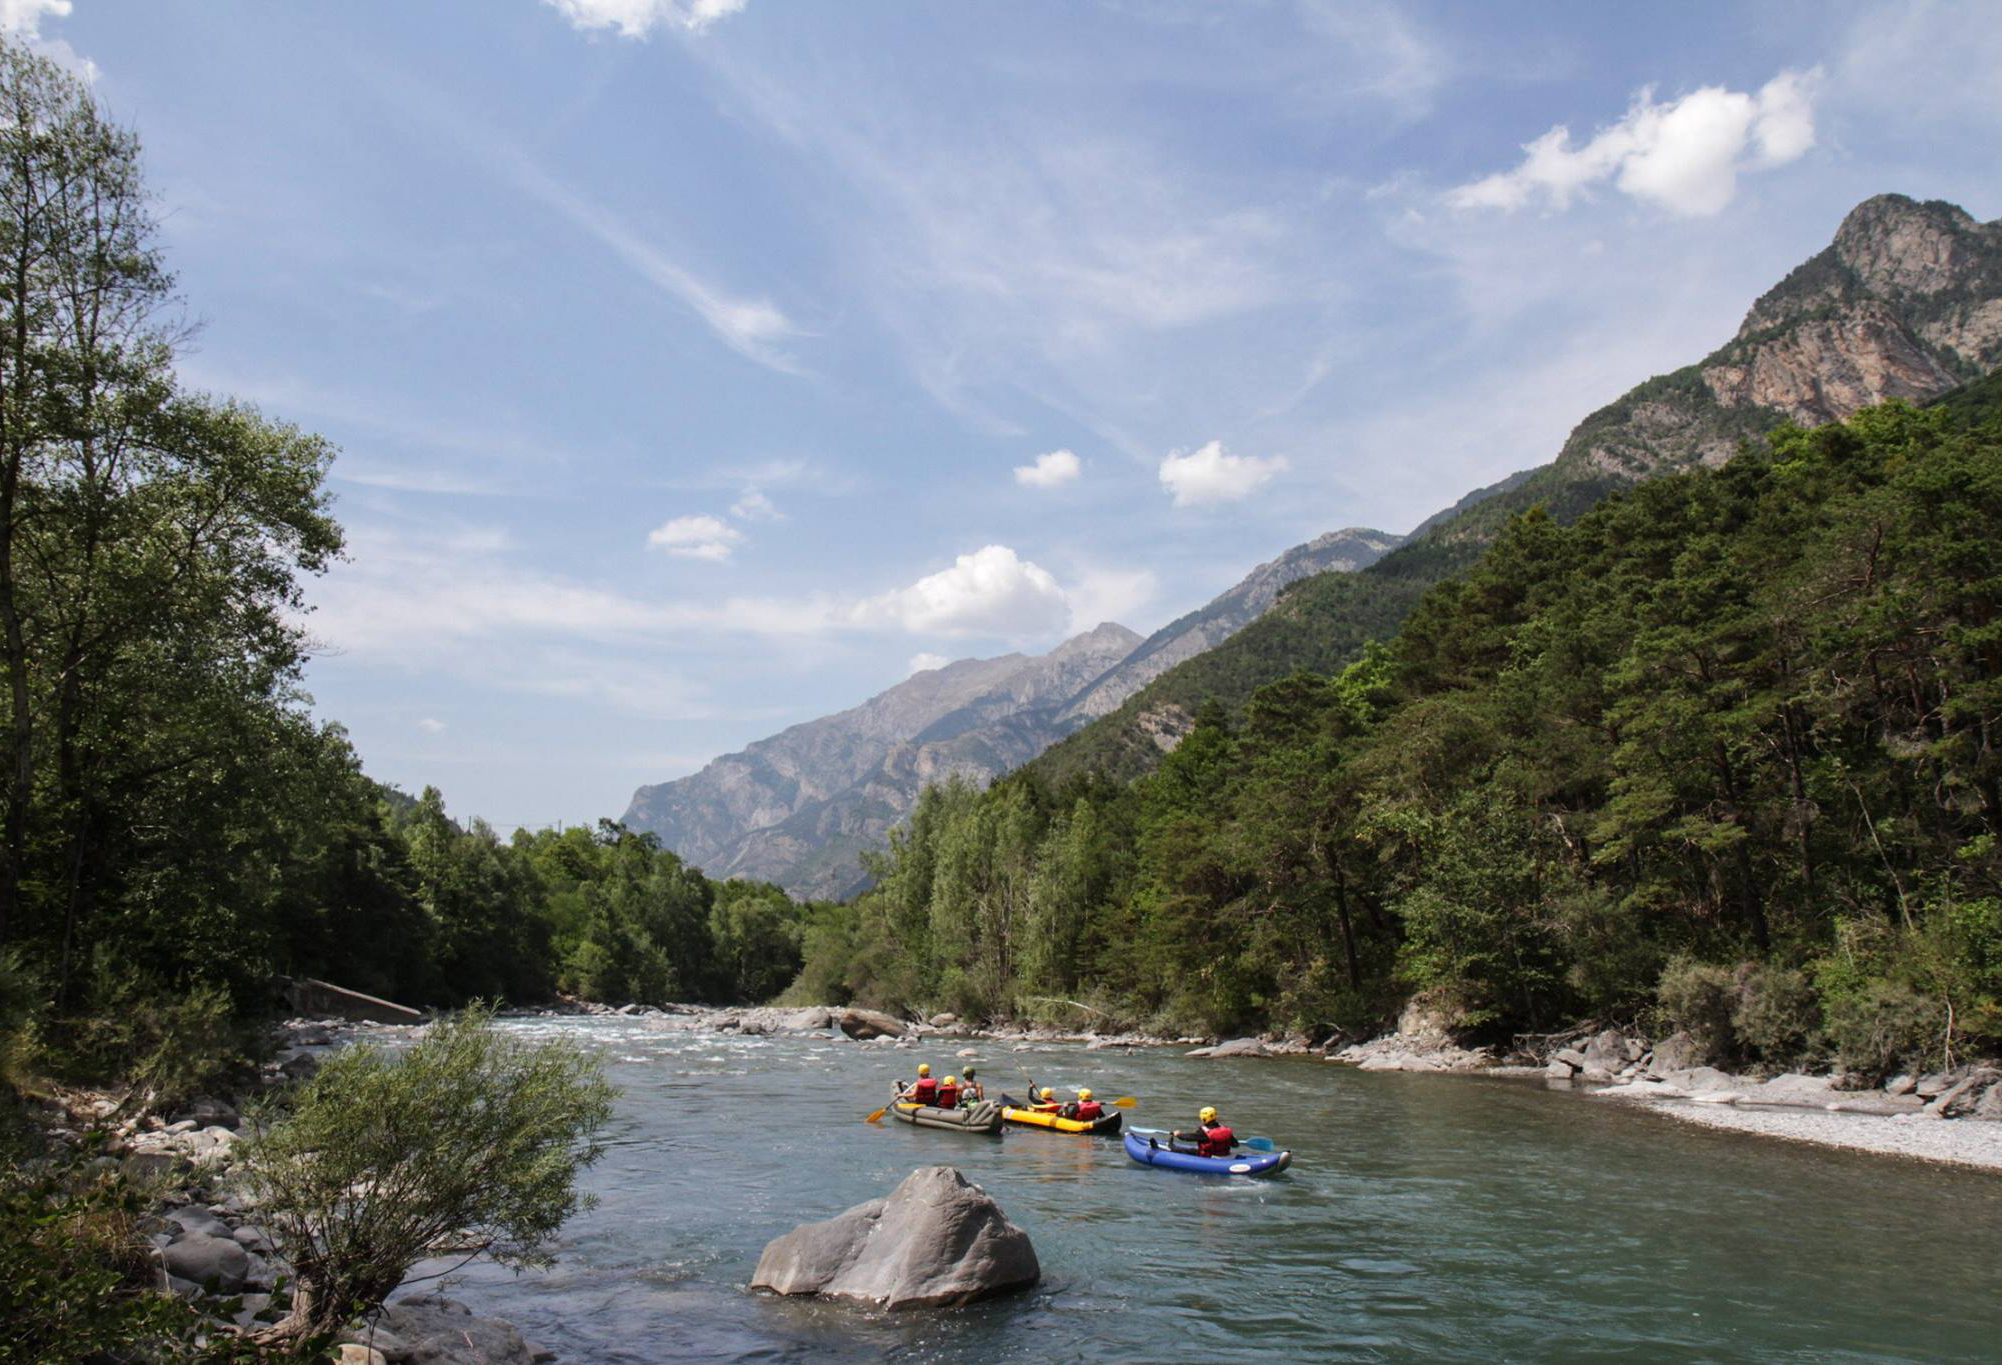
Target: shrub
1878 1027
1614 964
1776 1017
470 1142
172 1043
1699 998
76 1277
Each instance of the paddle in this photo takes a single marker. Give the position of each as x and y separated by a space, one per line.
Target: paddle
878 1115
1124 1102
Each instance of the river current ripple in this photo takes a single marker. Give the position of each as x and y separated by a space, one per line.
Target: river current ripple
1425 1218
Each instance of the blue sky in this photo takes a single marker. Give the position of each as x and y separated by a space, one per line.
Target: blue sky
703 366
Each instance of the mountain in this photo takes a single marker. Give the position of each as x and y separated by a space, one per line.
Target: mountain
706 816
1337 551
801 807
1905 302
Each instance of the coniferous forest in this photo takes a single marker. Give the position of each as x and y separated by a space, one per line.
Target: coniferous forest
1720 754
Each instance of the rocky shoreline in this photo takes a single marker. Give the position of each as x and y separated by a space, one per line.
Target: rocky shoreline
208 1244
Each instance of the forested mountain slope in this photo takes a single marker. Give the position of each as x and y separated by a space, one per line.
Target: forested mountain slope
1906 302
1720 754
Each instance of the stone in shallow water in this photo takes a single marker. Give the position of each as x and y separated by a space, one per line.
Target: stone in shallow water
936 1240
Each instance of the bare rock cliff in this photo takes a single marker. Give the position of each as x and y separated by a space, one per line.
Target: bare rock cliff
1906 303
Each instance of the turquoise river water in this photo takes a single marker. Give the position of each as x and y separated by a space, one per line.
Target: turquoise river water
1425 1218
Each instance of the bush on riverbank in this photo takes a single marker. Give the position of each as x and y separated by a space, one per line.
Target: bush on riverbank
468 1143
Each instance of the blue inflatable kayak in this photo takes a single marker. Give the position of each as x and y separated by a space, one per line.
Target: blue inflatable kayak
1156 1152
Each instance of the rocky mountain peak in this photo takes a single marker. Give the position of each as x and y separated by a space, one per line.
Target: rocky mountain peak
1897 245
1905 302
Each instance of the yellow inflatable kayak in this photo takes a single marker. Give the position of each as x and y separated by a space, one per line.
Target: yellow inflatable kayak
1105 1125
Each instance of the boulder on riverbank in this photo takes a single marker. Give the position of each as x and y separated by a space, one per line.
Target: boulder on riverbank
863 1025
936 1240
1236 1047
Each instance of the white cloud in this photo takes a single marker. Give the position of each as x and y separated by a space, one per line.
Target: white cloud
697 537
1101 595
638 18
992 591
1053 470
1213 475
431 725
1684 156
755 506
21 20
924 663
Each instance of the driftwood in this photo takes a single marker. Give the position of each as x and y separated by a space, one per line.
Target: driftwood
1057 999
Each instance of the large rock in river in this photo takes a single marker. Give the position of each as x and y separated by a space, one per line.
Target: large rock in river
937 1239
863 1025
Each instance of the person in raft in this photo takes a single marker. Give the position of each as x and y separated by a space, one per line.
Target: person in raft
925 1090
1211 1137
971 1090
1084 1108
948 1093
1046 1102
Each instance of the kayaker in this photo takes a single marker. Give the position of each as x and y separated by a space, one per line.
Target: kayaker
1046 1102
948 1093
1087 1109
1212 1138
926 1089
972 1090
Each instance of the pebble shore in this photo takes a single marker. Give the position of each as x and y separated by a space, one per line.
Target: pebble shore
1957 1143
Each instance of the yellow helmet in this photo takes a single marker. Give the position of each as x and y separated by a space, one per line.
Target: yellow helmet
952 1080
1209 1114
1084 1094
1048 1093
924 1068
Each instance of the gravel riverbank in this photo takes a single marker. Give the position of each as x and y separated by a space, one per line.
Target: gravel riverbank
1958 1142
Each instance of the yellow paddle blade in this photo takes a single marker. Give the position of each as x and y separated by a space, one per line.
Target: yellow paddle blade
877 1115
1124 1102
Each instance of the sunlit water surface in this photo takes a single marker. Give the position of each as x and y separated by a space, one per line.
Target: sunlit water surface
1424 1217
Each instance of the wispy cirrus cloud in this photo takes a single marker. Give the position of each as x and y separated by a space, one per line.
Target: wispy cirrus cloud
1684 156
753 326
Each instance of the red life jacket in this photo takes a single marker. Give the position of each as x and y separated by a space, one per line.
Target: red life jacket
1089 1110
948 1096
1216 1141
925 1091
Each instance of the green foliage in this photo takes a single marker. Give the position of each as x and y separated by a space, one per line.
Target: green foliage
1777 1017
1723 721
468 1143
1699 998
77 1276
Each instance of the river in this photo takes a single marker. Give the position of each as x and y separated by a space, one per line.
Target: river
1425 1217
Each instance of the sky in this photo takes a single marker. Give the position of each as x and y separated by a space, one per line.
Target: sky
700 367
